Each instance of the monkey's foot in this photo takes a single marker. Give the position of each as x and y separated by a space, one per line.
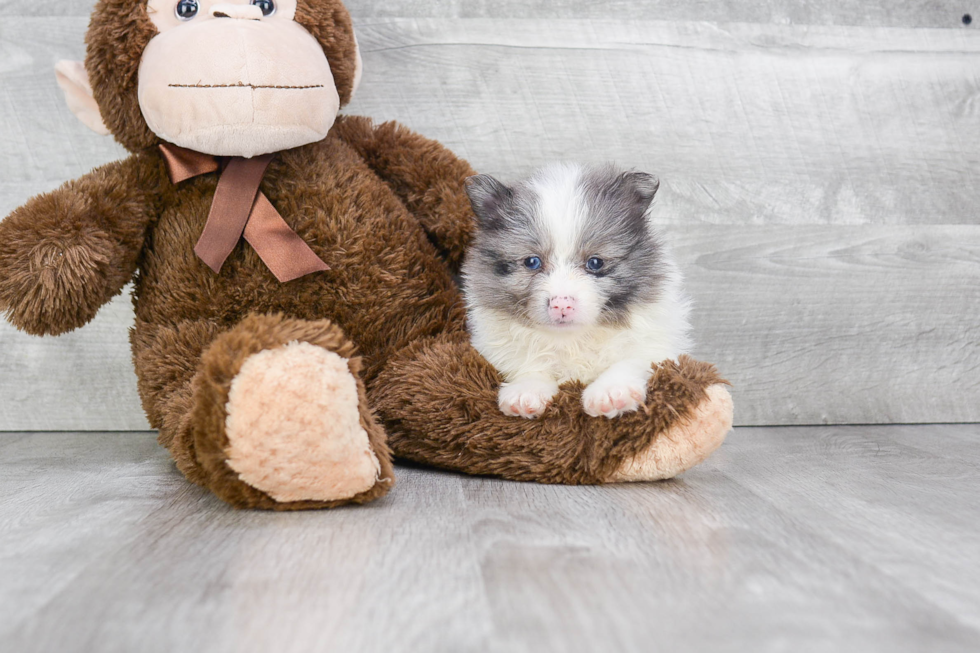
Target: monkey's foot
278 419
294 428
685 444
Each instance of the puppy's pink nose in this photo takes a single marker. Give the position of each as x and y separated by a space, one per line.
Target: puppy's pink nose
562 309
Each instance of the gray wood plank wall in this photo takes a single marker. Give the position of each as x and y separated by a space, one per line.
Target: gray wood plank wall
819 168
872 13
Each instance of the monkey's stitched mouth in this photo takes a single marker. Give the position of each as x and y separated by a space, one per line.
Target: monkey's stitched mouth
243 85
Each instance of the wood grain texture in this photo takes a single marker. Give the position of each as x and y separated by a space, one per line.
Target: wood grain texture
83 380
746 124
787 125
836 324
816 539
819 185
871 13
44 145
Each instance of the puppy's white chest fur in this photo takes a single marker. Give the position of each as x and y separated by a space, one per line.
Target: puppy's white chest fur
517 350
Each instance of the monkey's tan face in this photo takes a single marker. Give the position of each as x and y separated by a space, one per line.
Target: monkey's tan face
238 78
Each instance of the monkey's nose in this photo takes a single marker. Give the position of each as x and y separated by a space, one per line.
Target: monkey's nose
242 12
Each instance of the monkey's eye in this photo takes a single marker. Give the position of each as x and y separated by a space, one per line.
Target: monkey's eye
594 264
268 7
532 263
186 9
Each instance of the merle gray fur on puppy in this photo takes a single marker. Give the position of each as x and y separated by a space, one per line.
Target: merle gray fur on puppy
614 226
567 279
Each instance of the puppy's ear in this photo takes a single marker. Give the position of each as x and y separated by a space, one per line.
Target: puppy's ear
641 186
490 199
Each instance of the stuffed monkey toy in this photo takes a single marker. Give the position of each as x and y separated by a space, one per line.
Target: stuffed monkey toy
296 315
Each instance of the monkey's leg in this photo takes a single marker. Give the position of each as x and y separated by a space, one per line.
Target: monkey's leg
438 400
268 414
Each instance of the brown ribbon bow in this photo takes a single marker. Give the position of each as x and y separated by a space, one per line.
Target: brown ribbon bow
240 208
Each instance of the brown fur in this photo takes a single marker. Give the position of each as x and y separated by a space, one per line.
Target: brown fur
329 22
64 254
438 206
439 401
383 207
221 362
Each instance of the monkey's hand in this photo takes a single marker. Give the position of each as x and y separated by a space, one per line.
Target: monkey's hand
427 177
66 253
51 282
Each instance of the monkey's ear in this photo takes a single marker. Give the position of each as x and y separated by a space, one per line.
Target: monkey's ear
358 67
490 199
73 81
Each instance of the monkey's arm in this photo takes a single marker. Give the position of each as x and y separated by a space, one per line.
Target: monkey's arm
425 175
66 253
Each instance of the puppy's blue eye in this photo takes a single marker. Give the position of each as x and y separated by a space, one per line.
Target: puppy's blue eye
532 263
186 9
594 264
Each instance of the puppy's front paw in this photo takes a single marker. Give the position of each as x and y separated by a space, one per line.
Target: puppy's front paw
611 396
527 398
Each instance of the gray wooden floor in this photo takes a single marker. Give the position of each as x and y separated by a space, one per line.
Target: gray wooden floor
789 539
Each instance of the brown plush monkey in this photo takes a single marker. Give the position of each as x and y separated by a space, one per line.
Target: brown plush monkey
293 271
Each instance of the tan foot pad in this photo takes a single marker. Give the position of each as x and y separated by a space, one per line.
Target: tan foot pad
684 445
294 429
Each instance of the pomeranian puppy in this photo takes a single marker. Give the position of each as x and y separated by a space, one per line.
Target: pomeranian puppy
567 280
